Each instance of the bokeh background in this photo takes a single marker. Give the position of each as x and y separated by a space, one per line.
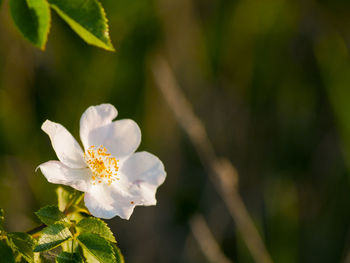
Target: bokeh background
270 80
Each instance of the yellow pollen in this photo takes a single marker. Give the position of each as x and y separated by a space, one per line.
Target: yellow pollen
102 164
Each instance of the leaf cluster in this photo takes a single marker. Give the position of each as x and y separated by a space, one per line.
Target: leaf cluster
68 234
86 17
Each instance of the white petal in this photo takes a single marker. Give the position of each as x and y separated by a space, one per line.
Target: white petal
58 173
121 138
144 166
144 172
104 202
140 175
66 147
95 117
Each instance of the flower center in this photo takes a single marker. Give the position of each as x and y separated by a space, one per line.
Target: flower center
103 166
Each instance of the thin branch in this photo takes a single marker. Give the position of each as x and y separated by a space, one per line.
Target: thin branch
222 173
206 240
36 230
347 258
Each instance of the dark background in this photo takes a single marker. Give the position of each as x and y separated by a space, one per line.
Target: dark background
270 80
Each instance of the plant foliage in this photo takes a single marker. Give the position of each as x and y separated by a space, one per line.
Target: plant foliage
68 235
86 17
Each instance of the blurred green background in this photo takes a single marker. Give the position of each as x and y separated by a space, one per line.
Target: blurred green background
271 81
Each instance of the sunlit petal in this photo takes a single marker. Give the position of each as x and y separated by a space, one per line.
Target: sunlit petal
144 173
104 202
66 147
95 117
58 173
121 138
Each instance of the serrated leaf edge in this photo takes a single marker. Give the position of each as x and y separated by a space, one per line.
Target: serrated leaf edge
104 223
98 42
64 220
58 223
14 247
84 247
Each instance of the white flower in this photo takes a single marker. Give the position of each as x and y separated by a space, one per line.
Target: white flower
114 178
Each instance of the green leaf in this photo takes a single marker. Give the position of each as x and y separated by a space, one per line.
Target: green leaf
96 248
87 18
23 244
51 214
46 256
96 226
37 258
67 197
70 246
32 18
65 257
118 254
6 253
52 236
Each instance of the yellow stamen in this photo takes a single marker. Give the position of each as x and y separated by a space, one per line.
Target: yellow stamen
102 164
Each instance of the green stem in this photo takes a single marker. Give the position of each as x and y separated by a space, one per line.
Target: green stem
75 200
